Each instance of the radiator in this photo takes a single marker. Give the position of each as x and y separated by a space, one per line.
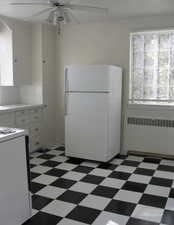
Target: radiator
151 135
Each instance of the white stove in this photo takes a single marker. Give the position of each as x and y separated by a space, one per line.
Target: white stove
15 199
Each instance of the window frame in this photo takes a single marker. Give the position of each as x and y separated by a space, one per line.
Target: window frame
132 101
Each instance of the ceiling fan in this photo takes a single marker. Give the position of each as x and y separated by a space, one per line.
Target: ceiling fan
60 11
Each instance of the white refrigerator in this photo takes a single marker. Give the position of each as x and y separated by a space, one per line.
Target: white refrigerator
93 111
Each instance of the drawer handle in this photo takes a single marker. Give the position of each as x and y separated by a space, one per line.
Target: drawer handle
23 120
37 143
37 129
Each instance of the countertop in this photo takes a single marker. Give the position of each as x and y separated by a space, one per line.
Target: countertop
17 133
17 107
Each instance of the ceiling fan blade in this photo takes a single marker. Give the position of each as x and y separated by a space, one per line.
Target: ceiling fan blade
42 12
86 8
30 3
71 16
66 16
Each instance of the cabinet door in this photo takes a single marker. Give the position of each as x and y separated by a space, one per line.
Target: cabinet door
86 125
22 53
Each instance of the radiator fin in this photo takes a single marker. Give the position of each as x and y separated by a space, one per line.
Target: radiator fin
150 122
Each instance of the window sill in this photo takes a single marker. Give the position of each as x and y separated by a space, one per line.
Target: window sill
151 106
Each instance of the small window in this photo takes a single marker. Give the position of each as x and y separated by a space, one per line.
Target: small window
152 67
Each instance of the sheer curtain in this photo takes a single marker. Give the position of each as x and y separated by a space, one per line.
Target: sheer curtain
152 66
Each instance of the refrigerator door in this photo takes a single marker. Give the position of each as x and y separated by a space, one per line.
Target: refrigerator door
89 78
86 126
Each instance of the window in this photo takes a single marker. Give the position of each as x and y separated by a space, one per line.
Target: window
152 67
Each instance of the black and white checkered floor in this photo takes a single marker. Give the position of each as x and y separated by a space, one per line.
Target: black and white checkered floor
131 191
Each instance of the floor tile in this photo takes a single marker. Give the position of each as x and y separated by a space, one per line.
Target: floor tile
161 181
133 221
116 161
135 158
46 156
133 186
93 179
38 202
75 161
127 169
130 163
148 165
56 172
66 166
50 163
170 204
167 162
63 183
120 207
40 169
83 169
166 168
84 214
37 161
151 160
148 213
157 190
51 192
140 178
59 208
168 217
90 164
119 175
95 202
35 187
36 154
34 175
100 172
112 182
60 158
54 152
66 221
107 192
107 166
72 197
128 196
108 218
171 194
153 200
143 171
161 174
83 187
72 175
44 179
42 218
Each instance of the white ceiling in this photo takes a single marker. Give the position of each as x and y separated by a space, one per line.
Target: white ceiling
117 9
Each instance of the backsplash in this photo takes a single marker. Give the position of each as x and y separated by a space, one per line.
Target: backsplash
9 95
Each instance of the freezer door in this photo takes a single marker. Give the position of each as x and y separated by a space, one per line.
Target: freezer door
87 78
86 125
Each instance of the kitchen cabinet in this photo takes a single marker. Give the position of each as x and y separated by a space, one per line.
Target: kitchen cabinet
29 119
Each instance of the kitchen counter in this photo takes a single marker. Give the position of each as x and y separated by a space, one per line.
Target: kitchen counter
13 108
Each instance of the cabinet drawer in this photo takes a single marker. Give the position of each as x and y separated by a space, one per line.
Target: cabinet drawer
21 113
21 120
35 143
35 129
35 115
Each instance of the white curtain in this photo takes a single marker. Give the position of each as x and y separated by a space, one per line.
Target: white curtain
152 66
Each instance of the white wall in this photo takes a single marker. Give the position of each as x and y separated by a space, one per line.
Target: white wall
100 43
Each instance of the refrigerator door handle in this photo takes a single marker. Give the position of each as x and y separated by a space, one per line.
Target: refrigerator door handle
66 90
66 103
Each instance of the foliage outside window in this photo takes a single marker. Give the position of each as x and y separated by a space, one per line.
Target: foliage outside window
152 67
